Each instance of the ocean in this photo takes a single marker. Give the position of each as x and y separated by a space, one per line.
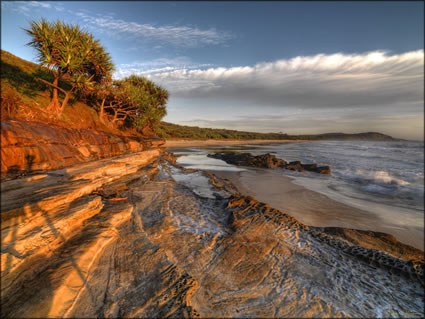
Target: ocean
386 178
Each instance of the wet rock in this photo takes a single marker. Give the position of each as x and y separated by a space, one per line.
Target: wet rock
170 157
323 170
267 161
295 166
295 163
247 159
309 167
233 158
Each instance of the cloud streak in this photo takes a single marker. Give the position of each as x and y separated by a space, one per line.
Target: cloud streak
374 79
25 7
157 66
182 36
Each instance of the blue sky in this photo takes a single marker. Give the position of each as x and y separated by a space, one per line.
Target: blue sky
294 67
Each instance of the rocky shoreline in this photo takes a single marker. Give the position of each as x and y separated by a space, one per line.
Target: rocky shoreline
267 161
30 147
139 236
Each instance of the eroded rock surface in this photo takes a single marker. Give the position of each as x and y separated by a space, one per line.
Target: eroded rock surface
135 236
267 161
33 146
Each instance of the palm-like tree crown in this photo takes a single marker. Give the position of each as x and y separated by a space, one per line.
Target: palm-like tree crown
67 49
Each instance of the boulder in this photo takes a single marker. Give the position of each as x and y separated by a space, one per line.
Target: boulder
265 160
295 163
232 157
309 167
323 170
295 167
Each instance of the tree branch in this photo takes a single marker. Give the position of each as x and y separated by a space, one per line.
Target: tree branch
56 87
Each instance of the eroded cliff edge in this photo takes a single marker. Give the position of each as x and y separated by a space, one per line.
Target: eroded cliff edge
28 147
136 236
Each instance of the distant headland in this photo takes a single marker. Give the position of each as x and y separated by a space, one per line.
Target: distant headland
174 131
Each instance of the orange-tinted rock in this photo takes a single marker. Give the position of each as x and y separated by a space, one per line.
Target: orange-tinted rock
169 157
34 146
323 170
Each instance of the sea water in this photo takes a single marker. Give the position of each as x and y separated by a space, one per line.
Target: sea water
386 177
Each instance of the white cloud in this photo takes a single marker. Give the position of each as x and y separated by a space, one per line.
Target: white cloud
26 7
184 36
336 80
39 4
157 66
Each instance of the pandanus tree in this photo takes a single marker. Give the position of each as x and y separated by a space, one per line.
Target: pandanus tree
100 94
120 102
70 54
134 99
150 100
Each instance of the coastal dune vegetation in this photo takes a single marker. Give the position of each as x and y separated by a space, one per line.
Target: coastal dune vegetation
73 85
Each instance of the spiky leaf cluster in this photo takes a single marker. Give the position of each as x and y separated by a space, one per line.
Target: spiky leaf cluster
149 99
67 49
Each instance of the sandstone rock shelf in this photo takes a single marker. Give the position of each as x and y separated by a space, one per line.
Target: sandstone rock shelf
28 147
120 237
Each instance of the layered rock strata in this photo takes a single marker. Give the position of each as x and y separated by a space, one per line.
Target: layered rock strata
136 236
267 161
33 146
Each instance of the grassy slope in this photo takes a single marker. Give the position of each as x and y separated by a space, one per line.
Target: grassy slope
20 77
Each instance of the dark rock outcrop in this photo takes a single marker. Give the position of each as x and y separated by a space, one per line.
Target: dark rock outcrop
267 161
323 170
295 166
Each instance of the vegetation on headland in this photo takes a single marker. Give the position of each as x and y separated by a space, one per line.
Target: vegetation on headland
174 131
73 85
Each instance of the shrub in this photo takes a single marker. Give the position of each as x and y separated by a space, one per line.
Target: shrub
10 101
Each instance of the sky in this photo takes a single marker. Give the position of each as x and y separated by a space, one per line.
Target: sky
291 67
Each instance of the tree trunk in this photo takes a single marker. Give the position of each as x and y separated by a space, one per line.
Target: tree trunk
65 101
102 112
115 116
54 103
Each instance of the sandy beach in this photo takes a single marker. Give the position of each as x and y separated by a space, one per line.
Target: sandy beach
313 208
189 143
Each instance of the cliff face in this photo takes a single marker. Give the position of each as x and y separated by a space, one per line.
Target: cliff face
135 236
34 146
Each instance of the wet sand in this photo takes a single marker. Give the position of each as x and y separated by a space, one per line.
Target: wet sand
190 143
313 208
